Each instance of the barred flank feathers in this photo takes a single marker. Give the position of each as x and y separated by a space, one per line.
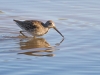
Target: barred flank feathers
25 25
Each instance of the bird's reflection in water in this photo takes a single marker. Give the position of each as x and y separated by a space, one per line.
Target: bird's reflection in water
38 46
47 52
33 43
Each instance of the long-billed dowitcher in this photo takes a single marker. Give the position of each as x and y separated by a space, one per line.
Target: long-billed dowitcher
35 27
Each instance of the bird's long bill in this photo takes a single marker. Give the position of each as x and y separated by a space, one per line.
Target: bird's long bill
58 31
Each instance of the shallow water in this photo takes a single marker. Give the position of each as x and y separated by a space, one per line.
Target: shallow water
77 54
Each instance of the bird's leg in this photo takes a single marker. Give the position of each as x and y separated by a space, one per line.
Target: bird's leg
22 33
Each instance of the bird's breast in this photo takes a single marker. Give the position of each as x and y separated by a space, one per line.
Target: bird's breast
37 32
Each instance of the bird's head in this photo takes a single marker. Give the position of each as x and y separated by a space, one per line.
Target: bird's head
50 24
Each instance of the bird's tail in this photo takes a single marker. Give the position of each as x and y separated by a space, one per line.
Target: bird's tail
18 22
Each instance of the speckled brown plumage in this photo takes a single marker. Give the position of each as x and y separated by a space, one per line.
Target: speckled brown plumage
35 27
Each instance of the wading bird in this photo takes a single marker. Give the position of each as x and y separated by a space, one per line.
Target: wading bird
35 27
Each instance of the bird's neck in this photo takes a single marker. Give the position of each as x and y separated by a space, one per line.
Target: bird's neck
46 30
45 25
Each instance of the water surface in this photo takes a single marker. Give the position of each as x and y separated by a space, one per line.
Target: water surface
77 54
